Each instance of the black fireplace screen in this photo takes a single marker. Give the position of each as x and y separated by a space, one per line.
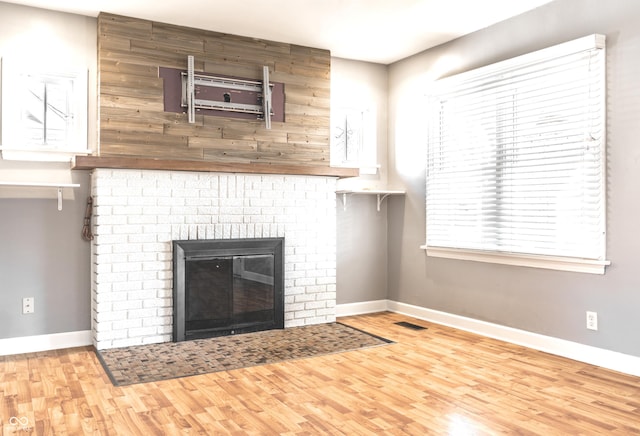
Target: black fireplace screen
229 286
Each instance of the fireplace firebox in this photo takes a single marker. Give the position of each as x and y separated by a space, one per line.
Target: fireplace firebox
227 286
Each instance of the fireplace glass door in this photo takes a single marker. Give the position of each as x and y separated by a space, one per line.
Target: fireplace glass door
229 291
225 287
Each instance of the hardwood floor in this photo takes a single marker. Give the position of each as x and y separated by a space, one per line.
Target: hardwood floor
434 381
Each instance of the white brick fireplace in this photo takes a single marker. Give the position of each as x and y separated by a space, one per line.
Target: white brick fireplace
138 213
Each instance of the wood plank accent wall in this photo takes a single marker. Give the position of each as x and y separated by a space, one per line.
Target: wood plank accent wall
132 118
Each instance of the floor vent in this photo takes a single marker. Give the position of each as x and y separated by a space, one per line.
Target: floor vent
410 325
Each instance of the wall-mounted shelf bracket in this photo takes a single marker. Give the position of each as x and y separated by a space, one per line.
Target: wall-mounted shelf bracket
58 186
380 195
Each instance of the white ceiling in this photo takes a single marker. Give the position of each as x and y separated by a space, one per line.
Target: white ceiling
381 31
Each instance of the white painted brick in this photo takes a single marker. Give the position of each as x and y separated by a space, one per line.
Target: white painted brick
294 307
111 334
329 280
127 324
156 266
165 256
111 201
111 277
101 249
141 257
155 322
261 202
129 342
110 297
304 314
313 305
295 290
326 296
329 311
251 194
126 248
103 220
144 218
166 330
110 316
126 305
142 295
300 209
102 288
294 323
301 298
127 286
165 275
165 312
170 201
305 282
101 239
156 302
127 191
155 192
102 268
155 285
156 339
102 345
317 289
126 267
229 219
140 313
155 247
321 319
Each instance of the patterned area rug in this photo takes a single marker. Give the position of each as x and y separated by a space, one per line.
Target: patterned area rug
155 362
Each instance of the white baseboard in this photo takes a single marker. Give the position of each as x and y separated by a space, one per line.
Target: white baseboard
33 344
583 353
350 309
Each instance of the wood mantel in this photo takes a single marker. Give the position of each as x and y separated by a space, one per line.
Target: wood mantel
92 162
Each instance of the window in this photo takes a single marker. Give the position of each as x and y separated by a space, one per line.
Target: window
48 114
516 161
352 137
43 113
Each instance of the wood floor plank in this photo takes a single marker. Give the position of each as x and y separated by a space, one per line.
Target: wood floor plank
434 381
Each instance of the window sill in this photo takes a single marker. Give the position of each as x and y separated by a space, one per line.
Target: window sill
548 262
41 155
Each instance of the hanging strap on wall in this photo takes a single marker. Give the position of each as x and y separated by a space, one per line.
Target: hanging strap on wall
86 228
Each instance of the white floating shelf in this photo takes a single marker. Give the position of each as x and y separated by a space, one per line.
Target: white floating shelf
41 185
381 194
58 186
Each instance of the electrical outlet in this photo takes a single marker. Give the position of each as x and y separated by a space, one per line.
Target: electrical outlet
28 305
592 320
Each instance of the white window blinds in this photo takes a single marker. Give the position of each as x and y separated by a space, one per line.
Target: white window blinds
516 156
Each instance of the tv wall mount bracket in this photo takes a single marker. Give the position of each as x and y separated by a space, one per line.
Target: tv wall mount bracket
262 108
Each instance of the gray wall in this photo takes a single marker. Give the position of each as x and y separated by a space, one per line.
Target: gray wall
41 252
43 256
543 301
361 273
361 230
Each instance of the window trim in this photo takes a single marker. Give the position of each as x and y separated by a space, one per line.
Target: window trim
561 263
572 264
11 146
